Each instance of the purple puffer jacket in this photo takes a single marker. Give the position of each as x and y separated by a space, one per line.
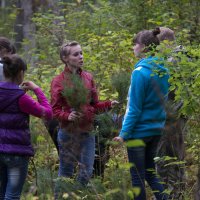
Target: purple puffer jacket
14 124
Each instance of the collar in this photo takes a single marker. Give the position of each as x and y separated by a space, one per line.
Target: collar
67 70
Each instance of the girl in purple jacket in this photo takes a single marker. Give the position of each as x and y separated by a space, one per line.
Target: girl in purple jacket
15 108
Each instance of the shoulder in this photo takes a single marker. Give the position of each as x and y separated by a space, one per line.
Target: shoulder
87 75
58 78
25 99
140 75
57 83
140 70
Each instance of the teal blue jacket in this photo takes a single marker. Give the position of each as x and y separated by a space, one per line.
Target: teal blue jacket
145 114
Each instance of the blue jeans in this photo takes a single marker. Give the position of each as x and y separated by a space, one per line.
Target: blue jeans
73 148
143 168
13 171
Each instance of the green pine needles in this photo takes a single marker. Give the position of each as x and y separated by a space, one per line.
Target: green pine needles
104 127
120 82
75 93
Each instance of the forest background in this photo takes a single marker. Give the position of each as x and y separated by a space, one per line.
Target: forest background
105 29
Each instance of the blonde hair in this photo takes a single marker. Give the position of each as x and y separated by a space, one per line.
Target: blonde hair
166 34
65 49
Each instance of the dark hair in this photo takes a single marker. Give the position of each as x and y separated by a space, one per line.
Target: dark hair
12 65
5 43
148 38
65 50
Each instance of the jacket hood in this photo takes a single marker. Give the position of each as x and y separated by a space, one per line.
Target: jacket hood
9 92
152 63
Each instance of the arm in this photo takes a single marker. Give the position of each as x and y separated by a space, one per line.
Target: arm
102 106
57 101
40 108
135 103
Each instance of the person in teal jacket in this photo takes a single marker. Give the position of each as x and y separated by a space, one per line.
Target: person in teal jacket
145 114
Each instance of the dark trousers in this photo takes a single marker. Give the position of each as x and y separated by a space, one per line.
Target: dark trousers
143 168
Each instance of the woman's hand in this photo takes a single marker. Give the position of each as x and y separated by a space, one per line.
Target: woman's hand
118 139
28 85
114 103
74 115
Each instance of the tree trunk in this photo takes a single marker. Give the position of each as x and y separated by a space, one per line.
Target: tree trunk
25 28
3 3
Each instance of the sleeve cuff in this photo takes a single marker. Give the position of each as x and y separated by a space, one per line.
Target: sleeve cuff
123 135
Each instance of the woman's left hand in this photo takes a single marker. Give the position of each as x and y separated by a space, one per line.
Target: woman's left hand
118 139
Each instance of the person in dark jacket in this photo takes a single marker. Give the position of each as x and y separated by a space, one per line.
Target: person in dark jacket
15 141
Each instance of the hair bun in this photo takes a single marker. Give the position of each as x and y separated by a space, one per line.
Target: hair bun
156 31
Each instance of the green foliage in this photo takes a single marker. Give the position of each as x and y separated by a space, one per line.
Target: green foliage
120 82
7 21
103 127
74 92
70 189
105 30
117 178
135 143
107 54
